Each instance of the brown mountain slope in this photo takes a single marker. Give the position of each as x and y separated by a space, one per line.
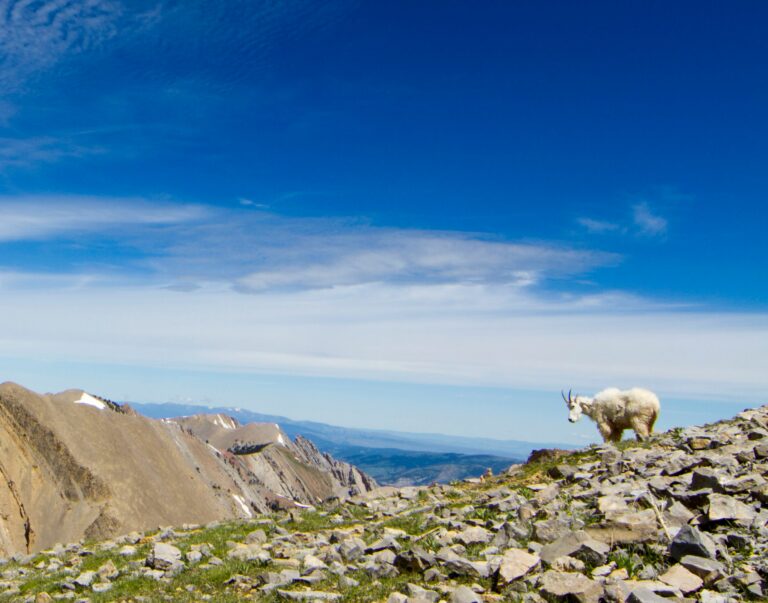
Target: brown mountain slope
70 470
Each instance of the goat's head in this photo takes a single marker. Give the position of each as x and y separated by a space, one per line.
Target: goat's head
576 405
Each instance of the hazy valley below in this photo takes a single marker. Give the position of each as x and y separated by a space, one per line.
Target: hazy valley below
390 457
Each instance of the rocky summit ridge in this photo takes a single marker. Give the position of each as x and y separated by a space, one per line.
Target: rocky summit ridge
679 517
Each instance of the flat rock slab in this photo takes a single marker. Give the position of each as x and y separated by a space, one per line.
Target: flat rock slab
576 544
515 564
726 507
474 535
681 578
570 584
464 594
645 595
708 570
308 595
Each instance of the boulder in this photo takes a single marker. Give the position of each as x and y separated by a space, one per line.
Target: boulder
682 579
515 564
464 594
726 507
570 585
691 541
576 544
164 557
708 570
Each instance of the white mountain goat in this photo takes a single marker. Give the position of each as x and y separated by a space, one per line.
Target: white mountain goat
614 411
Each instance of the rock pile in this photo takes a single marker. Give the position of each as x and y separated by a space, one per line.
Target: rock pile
677 518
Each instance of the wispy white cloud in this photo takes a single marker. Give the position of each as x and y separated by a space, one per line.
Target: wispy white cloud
24 152
643 222
647 222
36 218
599 226
257 252
489 335
36 35
360 255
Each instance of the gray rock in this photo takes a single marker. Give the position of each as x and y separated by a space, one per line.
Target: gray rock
308 595
464 594
570 585
562 471
456 564
127 551
549 530
194 557
682 579
645 595
417 592
515 564
626 527
505 536
352 549
385 556
690 541
249 552
708 570
414 560
576 544
312 563
164 557
726 507
85 579
474 535
108 571
256 537
568 564
704 477
387 542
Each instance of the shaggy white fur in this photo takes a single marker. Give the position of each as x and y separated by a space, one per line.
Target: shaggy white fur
614 411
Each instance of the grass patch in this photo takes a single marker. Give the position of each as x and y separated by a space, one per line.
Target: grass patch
413 525
311 521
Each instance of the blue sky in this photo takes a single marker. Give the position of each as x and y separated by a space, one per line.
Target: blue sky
421 216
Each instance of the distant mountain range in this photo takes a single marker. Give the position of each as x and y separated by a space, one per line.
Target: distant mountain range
390 457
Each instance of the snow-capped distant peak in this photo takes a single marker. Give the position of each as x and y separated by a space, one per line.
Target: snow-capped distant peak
91 401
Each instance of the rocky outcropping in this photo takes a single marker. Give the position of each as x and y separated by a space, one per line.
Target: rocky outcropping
74 465
349 476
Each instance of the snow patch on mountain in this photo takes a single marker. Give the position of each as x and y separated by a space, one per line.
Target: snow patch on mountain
239 500
91 401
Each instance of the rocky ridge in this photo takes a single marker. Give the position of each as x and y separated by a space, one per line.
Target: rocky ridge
77 466
677 518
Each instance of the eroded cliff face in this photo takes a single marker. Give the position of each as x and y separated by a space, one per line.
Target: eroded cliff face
296 471
350 477
74 466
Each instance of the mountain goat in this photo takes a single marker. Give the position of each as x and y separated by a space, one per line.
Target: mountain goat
614 411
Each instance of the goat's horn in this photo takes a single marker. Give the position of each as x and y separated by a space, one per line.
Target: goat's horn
562 393
569 395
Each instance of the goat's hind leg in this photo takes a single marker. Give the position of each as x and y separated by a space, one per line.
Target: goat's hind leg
642 432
